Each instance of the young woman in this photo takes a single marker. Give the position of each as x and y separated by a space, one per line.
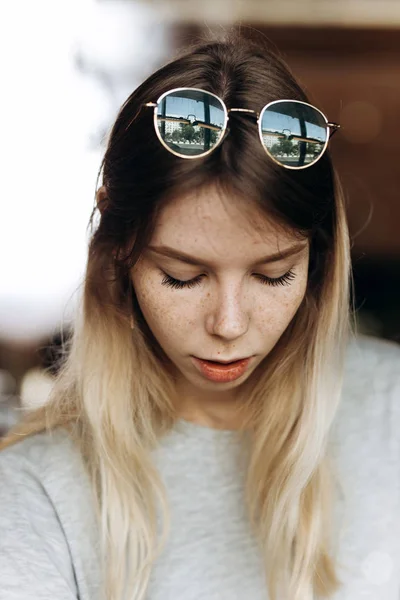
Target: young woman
199 442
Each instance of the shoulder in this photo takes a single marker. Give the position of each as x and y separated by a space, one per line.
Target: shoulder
372 365
366 351
44 468
47 521
371 387
48 456
365 441
42 444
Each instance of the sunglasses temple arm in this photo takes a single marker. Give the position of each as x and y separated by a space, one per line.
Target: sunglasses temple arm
333 127
226 132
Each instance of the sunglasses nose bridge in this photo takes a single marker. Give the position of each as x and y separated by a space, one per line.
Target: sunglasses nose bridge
248 111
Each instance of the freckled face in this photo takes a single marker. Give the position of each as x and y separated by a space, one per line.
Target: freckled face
233 307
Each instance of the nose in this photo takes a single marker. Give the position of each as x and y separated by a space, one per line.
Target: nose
230 316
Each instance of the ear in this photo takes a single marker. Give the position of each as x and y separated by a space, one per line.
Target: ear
101 199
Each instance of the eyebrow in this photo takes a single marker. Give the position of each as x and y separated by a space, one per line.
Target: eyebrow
191 260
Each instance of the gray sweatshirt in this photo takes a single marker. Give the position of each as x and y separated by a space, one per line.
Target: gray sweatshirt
49 536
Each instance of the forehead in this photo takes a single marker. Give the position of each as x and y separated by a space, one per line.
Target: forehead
216 223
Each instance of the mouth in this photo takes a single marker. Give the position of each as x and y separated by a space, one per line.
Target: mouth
222 371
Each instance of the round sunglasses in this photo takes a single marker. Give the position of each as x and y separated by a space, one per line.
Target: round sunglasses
191 123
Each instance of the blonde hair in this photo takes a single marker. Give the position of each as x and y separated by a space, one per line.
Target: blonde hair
116 400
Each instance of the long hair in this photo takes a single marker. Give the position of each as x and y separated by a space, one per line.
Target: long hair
115 393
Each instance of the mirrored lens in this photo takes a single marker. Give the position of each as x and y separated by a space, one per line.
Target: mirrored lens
293 133
190 122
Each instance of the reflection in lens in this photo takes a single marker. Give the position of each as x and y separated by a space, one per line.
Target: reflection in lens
190 122
294 134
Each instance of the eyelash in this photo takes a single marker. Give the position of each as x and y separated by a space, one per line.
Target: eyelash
169 281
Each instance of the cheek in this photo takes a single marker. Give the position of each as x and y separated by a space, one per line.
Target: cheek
279 306
163 314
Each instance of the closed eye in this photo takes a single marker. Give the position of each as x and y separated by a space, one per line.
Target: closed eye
285 279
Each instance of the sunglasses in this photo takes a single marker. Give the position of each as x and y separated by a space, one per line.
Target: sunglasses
191 123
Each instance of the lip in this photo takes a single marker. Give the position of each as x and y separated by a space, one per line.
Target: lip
224 362
221 372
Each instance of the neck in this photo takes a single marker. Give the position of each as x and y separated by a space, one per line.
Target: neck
214 410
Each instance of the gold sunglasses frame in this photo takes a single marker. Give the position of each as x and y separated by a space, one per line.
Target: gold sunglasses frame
259 116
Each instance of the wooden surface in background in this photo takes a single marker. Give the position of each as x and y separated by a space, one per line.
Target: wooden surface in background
354 77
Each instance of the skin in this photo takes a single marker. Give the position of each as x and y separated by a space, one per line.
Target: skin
230 313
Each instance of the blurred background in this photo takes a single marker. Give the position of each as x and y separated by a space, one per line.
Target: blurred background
67 66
